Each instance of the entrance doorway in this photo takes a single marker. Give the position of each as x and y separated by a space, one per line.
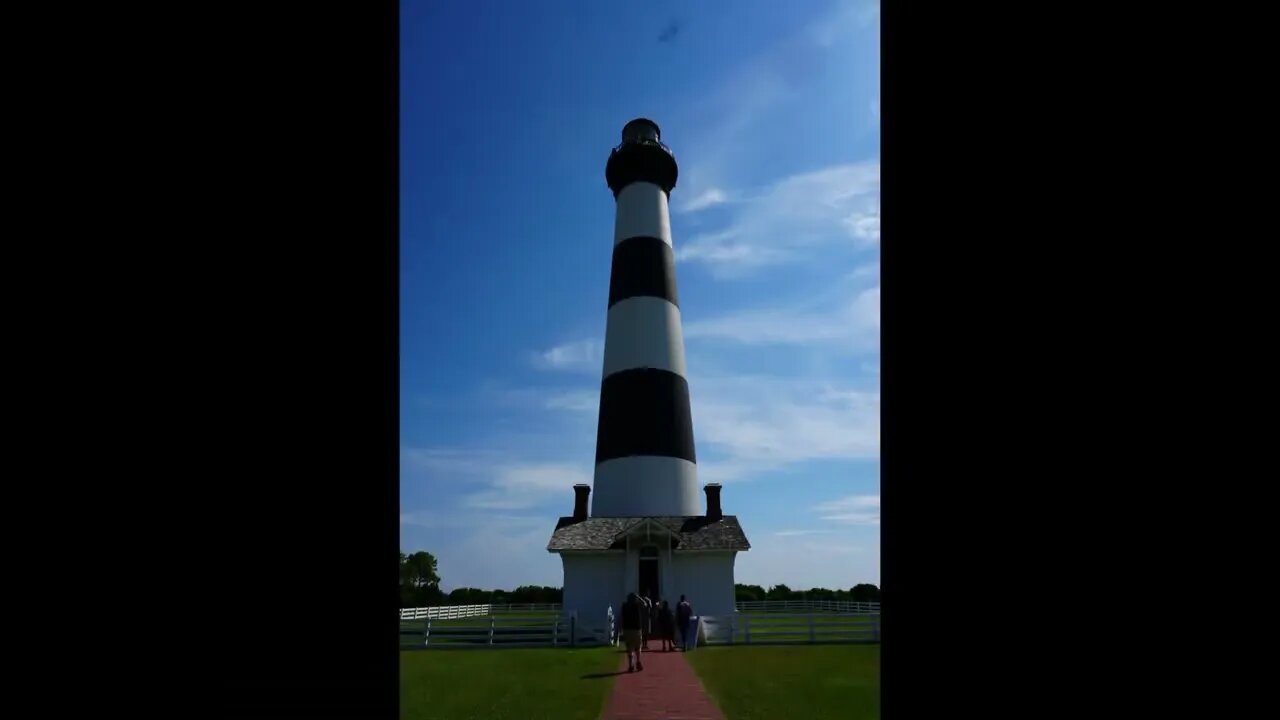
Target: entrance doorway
649 572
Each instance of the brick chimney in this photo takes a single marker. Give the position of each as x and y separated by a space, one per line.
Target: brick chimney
580 493
713 501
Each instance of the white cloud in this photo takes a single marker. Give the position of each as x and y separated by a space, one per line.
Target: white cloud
866 270
864 226
760 424
854 509
798 217
797 533
708 198
582 355
502 482
853 324
577 401
445 461
525 485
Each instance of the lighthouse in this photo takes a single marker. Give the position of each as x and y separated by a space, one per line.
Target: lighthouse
645 530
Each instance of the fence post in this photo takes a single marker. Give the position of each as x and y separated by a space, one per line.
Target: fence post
490 629
573 629
746 629
555 632
426 636
811 637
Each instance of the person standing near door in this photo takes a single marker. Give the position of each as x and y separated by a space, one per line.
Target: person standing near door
684 616
666 627
646 626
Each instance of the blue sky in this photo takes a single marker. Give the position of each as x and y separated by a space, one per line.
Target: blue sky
508 113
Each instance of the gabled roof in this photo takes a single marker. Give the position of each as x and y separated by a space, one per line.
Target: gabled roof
691 533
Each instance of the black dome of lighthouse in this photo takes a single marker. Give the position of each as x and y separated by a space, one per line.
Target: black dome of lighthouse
641 157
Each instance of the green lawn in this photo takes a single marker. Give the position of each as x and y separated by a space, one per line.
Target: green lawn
515 684
800 681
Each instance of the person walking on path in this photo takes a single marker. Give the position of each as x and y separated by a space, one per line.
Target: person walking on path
666 626
646 628
684 616
668 688
653 617
631 623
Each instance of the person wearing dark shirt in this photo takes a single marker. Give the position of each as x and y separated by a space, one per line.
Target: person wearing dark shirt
645 628
684 615
666 626
653 617
632 620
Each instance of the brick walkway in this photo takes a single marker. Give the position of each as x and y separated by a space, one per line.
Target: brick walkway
667 689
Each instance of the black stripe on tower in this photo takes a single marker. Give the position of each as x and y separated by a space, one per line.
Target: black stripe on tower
644 411
643 267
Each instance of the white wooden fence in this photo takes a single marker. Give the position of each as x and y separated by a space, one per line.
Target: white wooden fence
781 628
805 606
453 612
511 630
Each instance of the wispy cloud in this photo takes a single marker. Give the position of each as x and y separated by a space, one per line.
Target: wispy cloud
797 533
796 218
575 401
774 77
500 481
525 485
746 425
708 198
759 424
866 270
854 509
854 324
577 356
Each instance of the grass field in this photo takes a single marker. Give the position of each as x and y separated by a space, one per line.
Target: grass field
515 684
803 681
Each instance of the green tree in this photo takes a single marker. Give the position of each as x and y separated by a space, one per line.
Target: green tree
419 580
864 592
748 593
419 570
779 592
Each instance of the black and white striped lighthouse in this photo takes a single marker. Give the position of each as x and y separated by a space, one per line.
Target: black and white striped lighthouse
645 463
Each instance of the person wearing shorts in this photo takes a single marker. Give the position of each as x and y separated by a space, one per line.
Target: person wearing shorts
632 621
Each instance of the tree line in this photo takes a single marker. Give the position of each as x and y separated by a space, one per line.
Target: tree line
862 592
420 587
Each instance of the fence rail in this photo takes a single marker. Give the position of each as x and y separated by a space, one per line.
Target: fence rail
511 630
803 606
453 612
814 627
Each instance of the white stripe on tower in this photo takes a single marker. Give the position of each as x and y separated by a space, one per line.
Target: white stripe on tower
644 332
645 462
642 212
